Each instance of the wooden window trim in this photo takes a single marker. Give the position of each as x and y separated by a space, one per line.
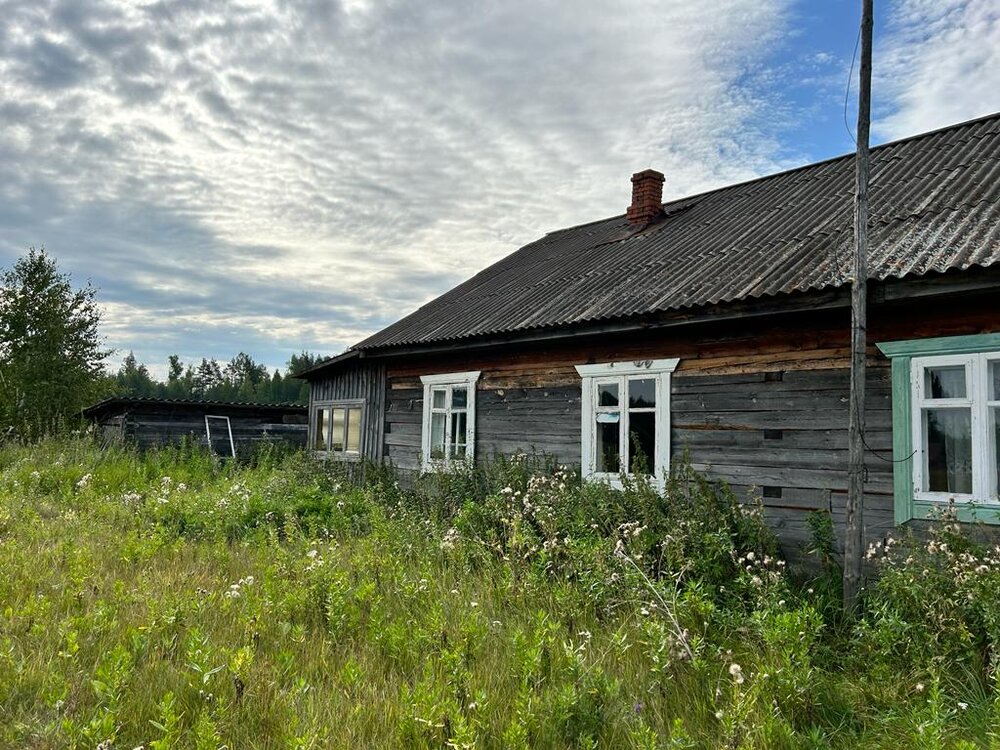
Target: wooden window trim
448 380
659 370
328 405
908 360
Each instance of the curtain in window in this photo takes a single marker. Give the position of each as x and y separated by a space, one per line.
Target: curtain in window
949 450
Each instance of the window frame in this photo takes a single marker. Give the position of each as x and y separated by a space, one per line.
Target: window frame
327 406
909 360
229 430
595 375
448 381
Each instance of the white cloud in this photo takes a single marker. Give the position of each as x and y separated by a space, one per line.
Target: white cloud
939 64
304 173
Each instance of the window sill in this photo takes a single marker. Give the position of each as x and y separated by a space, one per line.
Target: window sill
615 480
968 511
442 467
337 456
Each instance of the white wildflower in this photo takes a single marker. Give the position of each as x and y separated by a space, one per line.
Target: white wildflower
736 672
449 539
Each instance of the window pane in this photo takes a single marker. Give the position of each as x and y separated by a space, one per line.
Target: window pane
459 397
995 381
607 445
337 431
458 422
948 437
354 430
641 393
437 435
642 443
322 429
996 450
944 382
438 396
607 394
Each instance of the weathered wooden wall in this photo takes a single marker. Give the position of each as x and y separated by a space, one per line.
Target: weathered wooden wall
169 426
365 381
759 403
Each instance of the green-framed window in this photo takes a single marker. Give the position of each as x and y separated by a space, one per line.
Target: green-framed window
946 425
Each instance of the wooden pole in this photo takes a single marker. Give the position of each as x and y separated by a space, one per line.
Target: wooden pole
854 534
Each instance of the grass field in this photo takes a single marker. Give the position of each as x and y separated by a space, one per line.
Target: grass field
166 601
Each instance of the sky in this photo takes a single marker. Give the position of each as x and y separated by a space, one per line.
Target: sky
273 177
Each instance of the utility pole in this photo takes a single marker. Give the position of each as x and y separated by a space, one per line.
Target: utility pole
854 534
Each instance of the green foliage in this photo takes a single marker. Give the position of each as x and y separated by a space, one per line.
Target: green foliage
240 379
168 601
51 354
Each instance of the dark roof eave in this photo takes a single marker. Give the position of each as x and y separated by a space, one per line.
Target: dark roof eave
311 372
794 302
112 402
891 289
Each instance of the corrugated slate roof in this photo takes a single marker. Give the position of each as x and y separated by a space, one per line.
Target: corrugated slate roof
935 206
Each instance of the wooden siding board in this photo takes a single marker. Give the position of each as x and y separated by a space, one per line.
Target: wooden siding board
365 381
785 374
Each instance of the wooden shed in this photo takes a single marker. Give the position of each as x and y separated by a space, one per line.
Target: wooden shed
228 428
717 325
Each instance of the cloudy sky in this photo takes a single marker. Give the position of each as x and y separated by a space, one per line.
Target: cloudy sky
279 176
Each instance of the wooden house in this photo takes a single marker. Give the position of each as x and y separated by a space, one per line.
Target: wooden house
717 325
228 428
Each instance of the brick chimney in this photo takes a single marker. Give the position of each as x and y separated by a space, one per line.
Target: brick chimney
647 197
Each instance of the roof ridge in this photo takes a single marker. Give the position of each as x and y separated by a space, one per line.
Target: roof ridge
940 210
782 173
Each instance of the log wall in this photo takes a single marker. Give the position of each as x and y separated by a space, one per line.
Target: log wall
170 426
759 403
365 381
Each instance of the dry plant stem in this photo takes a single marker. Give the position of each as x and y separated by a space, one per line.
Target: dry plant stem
669 609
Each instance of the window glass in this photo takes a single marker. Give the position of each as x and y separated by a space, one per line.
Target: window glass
642 442
996 450
608 445
459 397
438 396
438 422
458 423
995 381
947 381
354 429
642 393
337 430
607 394
322 429
948 436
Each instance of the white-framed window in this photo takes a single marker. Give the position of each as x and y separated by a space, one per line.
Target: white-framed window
956 427
626 419
219 432
336 428
448 433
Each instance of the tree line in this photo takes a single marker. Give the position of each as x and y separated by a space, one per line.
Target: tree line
239 379
53 358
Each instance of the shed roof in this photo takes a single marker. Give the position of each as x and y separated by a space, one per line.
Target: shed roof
119 403
935 206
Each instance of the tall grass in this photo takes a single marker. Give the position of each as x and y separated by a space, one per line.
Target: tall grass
166 600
